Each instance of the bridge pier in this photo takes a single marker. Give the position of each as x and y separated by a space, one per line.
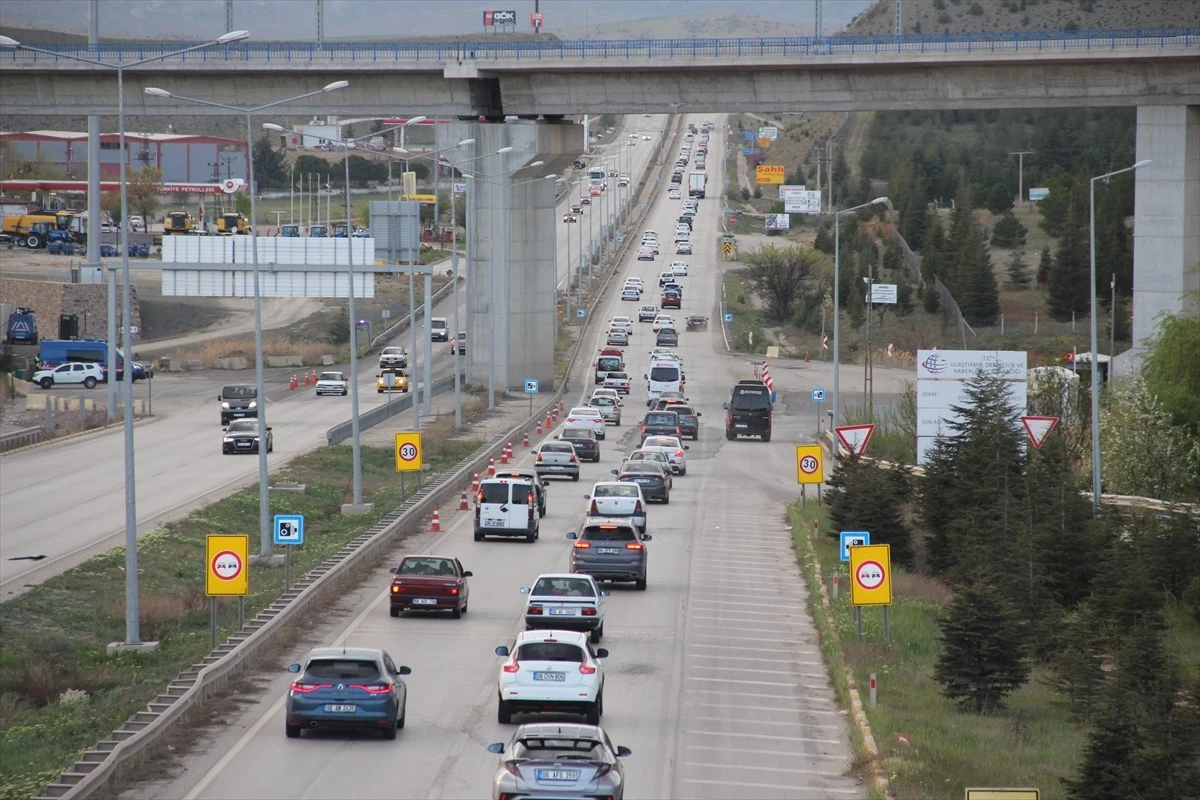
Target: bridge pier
1166 225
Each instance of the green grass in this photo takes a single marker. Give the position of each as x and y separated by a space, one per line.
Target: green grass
55 635
1032 743
746 317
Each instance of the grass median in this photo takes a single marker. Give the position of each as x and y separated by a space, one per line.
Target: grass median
59 691
1033 743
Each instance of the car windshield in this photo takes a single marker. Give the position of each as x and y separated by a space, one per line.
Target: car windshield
564 587
558 447
343 669
661 418
539 748
427 566
615 490
609 363
746 398
609 533
550 651
602 400
664 374
332 376
578 433
494 492
239 392
644 467
243 425
647 455
660 441
394 351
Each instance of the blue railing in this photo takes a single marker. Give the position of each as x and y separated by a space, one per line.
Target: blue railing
494 50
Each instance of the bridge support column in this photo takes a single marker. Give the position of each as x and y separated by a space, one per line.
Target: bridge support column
1166 226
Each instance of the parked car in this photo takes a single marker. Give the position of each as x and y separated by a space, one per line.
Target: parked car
346 687
429 583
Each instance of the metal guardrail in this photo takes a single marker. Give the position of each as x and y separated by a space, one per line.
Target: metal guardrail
343 431
22 438
485 50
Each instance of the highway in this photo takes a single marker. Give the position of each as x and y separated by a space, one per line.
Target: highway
65 500
715 678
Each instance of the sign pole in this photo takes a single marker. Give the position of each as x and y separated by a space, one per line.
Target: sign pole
212 623
242 613
287 567
887 637
858 619
403 491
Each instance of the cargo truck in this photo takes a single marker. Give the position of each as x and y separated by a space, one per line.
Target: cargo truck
696 183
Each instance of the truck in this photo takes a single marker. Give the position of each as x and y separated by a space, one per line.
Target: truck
37 229
696 183
53 352
176 222
21 327
290 231
232 222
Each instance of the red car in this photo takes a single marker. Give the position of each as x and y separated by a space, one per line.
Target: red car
429 583
671 300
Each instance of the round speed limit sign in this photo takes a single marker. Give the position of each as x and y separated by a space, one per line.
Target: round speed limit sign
408 452
809 465
869 575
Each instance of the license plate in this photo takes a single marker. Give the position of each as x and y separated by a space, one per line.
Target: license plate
562 612
741 426
608 551
643 480
555 466
424 601
334 708
558 677
558 774
243 444
493 523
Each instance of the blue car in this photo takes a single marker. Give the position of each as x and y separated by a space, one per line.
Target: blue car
343 688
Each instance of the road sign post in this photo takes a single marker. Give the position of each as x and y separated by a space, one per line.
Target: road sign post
810 468
818 397
1038 428
226 575
855 437
408 457
848 539
289 530
531 388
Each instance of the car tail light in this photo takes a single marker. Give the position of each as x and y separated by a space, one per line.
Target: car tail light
729 418
537 459
583 545
512 667
678 453
643 428
479 497
584 669
574 460
633 546
305 688
637 508
602 770
589 612
678 433
594 510
453 590
511 768
534 611
372 689
396 589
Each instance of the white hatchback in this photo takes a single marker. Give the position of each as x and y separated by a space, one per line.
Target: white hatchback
662 321
553 670
679 268
587 417
672 448
617 499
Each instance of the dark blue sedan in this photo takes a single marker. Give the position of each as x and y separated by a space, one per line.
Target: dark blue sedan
354 687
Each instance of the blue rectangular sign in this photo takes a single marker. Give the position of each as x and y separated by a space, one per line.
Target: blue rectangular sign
531 386
289 529
818 395
852 539
751 136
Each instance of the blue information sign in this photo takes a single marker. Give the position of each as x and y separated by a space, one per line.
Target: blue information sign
751 136
818 395
581 313
852 539
289 529
531 386
729 317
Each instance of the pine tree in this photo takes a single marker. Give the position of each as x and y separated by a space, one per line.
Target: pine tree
1008 232
1018 278
1070 272
981 656
969 275
1075 670
1045 263
864 497
1105 771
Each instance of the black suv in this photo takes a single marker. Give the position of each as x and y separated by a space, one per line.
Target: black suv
748 412
238 401
584 439
660 423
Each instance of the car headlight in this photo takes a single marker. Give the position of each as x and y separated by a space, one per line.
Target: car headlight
253 404
224 405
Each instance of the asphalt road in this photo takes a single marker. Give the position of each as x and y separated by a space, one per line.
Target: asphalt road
64 501
715 678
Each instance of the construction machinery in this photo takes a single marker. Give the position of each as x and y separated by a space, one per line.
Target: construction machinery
178 222
290 232
231 223
34 230
318 232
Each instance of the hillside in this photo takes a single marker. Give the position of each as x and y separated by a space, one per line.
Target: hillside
971 16
699 26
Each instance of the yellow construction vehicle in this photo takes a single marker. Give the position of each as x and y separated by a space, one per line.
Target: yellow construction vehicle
178 222
232 222
32 230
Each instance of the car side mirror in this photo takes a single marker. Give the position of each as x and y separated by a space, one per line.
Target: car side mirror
601 653
293 668
268 427
623 751
225 429
545 484
587 497
571 535
647 537
394 570
699 414
685 447
468 574
556 436
502 650
615 472
404 671
645 376
605 593
525 590
497 748
725 406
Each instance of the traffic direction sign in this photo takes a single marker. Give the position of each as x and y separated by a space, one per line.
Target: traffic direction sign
871 575
408 452
289 529
809 464
1038 428
855 437
848 539
225 559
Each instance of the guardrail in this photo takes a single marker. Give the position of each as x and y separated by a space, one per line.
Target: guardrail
22 438
485 50
343 431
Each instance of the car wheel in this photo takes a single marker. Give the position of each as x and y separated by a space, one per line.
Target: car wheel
464 608
730 435
640 585
402 717
46 383
593 713
683 472
666 499
456 613
292 731
89 383
503 713
766 437
389 733
575 477
541 511
270 445
344 392
618 423
595 634
478 536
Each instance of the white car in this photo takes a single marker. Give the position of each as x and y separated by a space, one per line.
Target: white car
665 352
555 671
618 381
679 268
647 313
635 280
631 293
662 321
645 138
683 248
673 194
622 322
609 408
85 373
565 601
332 383
665 278
650 244
672 448
645 254
606 391
587 416
617 499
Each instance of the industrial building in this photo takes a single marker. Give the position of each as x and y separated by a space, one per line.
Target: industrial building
182 158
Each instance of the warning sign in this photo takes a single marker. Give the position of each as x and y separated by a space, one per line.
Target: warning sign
871 575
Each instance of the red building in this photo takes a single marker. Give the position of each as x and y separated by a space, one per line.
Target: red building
182 158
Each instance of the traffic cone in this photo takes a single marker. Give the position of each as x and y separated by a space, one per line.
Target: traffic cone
503 455
538 432
306 380
491 473
805 356
436 525
548 422
510 453
462 502
292 383
475 482
525 439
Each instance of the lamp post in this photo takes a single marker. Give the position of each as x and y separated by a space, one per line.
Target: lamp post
265 531
1095 355
837 257
133 636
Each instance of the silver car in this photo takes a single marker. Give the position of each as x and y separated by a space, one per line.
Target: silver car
556 760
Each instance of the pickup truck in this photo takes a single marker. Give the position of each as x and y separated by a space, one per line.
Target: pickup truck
429 583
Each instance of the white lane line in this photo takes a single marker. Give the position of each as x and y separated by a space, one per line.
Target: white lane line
759 639
762 660
227 759
740 649
820 791
761 671
765 736
740 624
822 687
807 699
822 772
756 751
780 612
731 603
726 558
742 706
769 722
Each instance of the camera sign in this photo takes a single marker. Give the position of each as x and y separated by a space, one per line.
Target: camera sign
289 529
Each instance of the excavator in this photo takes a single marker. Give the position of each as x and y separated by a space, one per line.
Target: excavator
232 222
178 222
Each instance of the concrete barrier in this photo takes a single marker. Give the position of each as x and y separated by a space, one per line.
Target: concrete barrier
328 360
236 362
285 361
37 402
194 366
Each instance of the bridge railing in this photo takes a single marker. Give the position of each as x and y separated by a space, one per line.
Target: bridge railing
490 50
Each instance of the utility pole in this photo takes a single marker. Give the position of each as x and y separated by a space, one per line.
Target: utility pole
869 363
817 19
228 15
899 19
1112 327
1020 154
320 24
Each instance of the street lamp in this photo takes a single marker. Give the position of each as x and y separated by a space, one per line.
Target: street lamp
133 636
265 529
1095 356
837 257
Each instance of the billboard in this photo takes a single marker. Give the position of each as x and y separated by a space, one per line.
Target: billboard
883 293
778 222
769 132
788 190
806 202
536 20
1038 194
769 173
491 18
941 383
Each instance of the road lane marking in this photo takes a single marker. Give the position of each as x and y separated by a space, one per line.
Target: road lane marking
711 692
742 706
762 671
741 649
762 660
732 603
772 737
723 638
821 686
790 771
777 723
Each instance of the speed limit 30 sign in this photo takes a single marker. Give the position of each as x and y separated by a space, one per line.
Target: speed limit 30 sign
810 466
871 575
408 452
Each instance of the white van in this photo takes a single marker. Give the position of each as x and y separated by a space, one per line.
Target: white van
506 507
665 375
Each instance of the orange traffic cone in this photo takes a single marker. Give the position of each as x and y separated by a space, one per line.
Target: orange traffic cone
548 422
462 502
525 439
306 380
538 432
436 525
503 455
292 383
491 473
508 447
475 482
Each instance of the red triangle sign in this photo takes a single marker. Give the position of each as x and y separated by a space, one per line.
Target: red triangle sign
1038 428
855 437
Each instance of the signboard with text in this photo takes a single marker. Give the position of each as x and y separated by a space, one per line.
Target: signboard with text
883 293
942 376
778 222
494 18
769 173
803 202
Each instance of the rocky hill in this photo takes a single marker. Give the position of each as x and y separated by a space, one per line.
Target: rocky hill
971 16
